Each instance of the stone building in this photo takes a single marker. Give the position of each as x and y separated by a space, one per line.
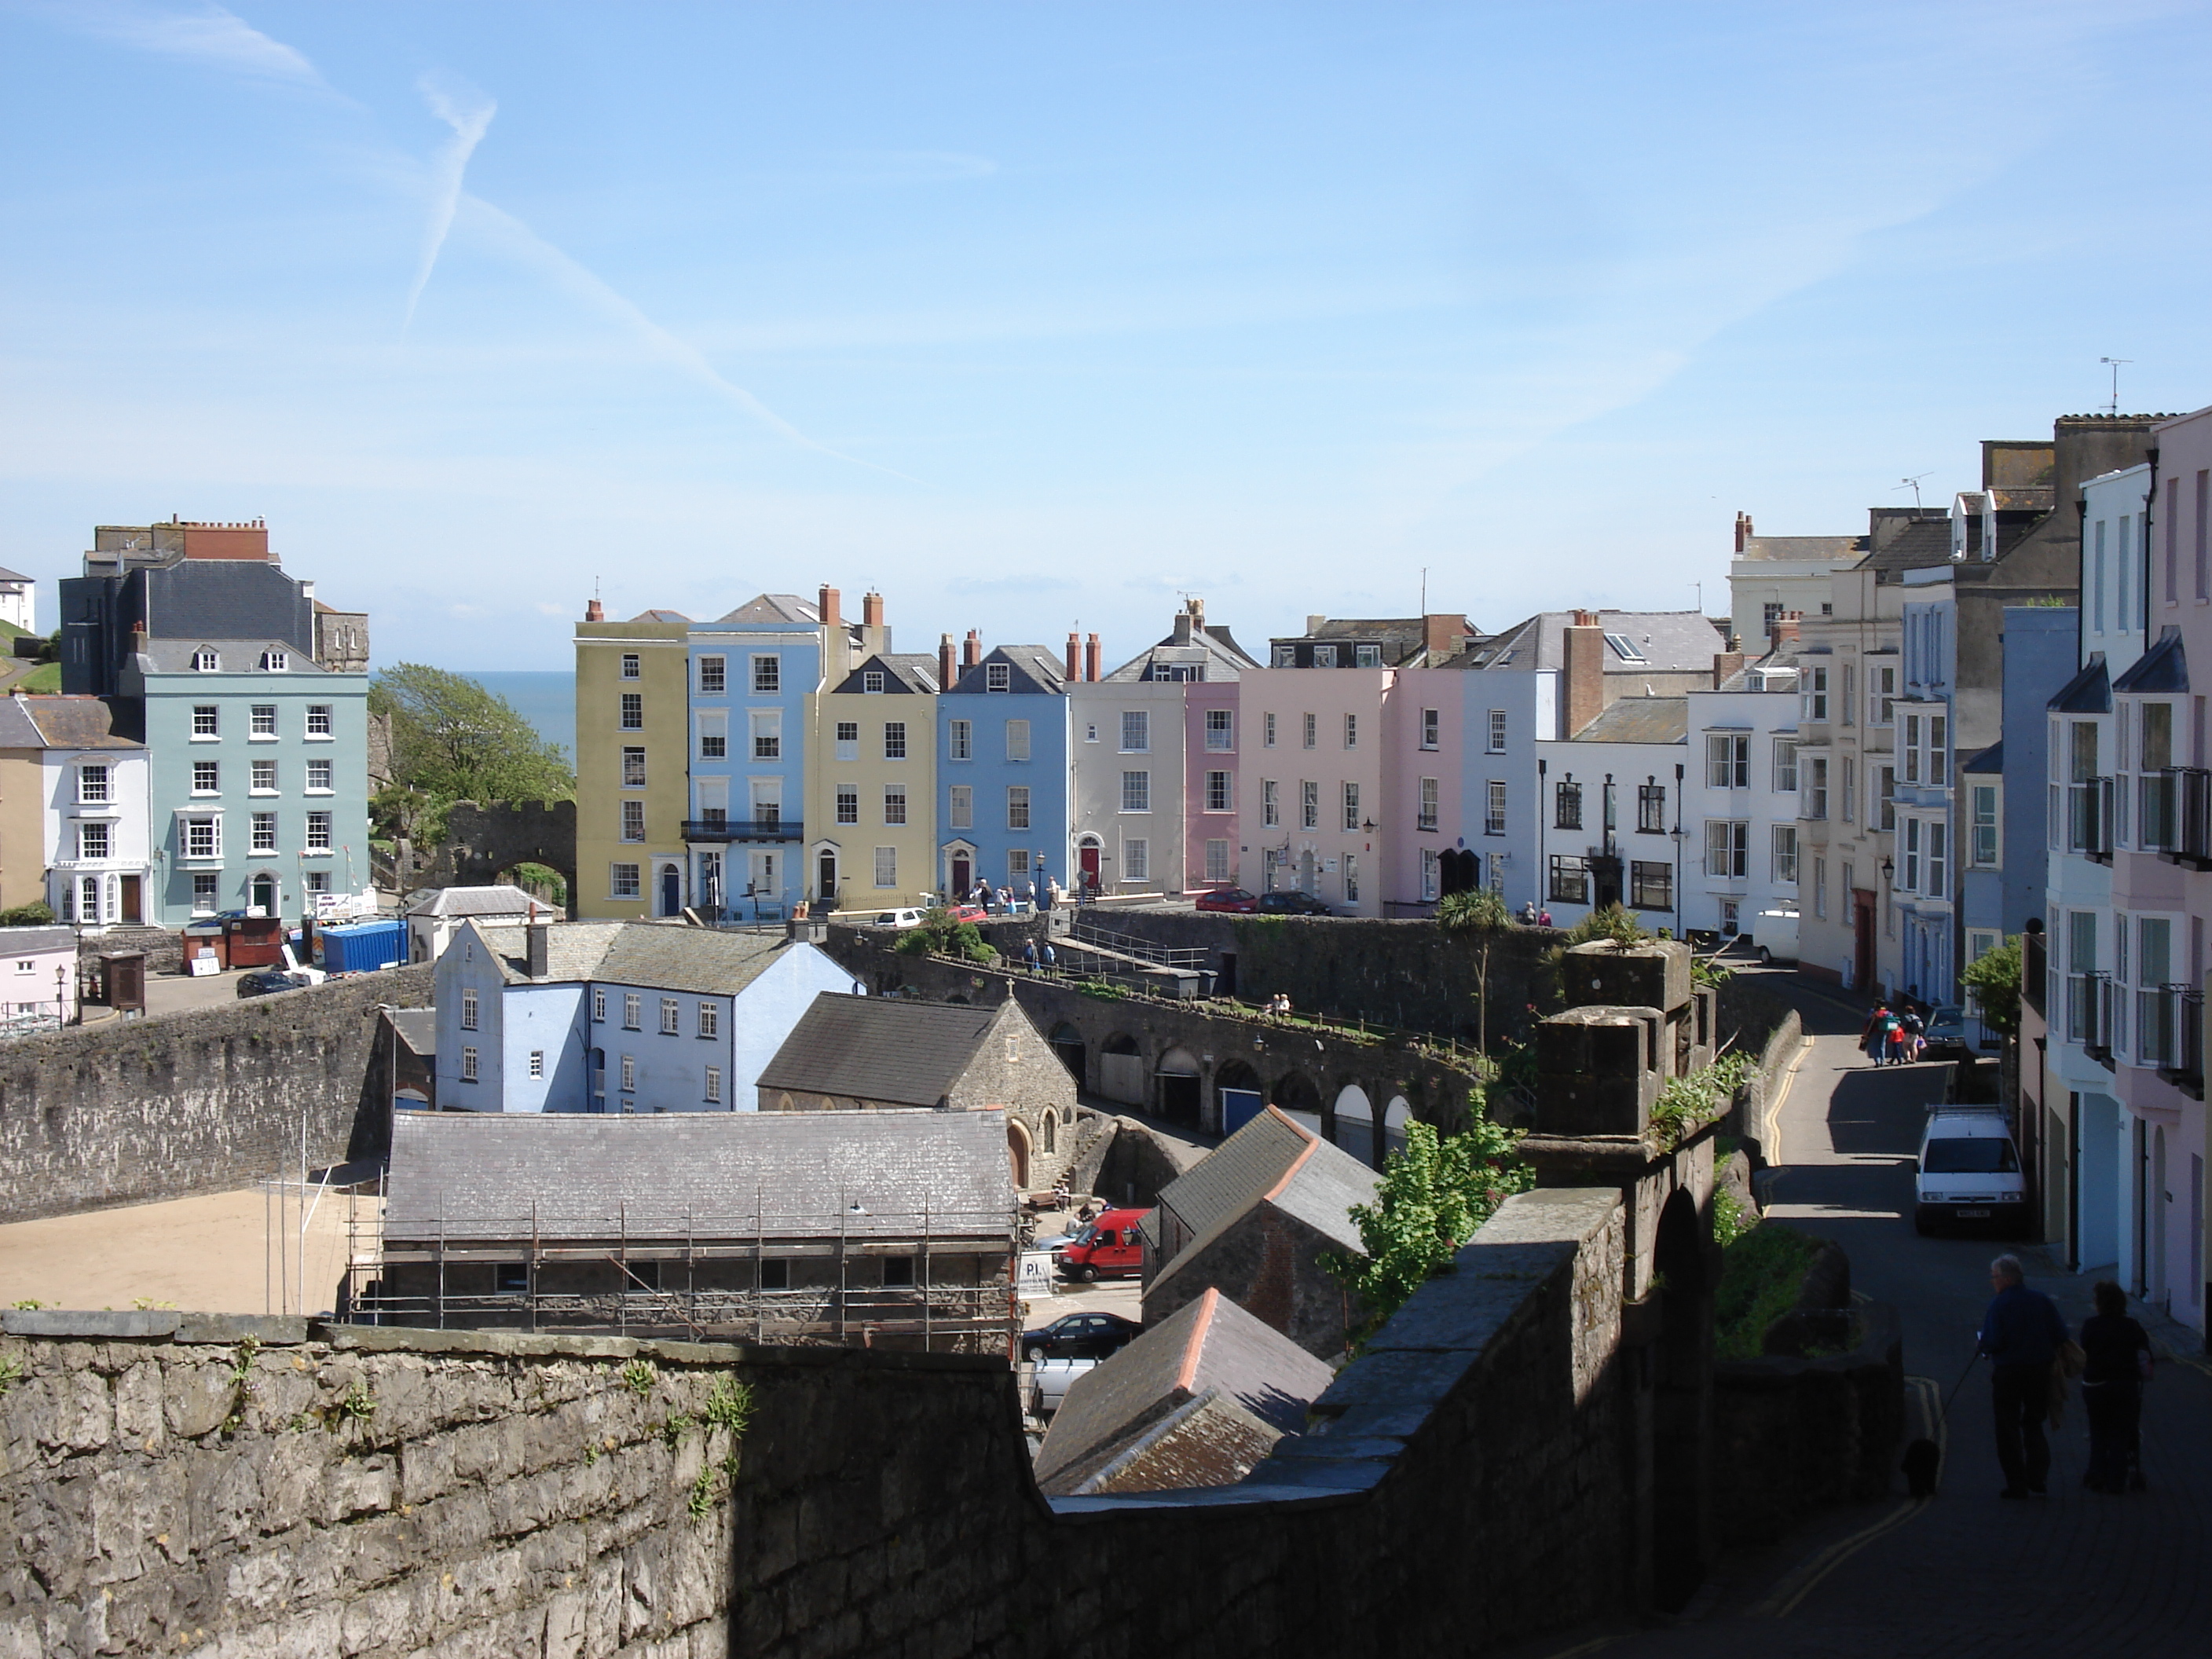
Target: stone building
1252 1219
893 1230
850 1053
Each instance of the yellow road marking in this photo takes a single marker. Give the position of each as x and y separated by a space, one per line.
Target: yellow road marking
1800 1583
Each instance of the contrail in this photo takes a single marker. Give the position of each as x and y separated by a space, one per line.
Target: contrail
469 122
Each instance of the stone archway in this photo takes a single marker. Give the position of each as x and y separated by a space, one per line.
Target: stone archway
1294 1093
1179 1089
1121 1069
1018 1153
1395 1116
1238 1093
1681 1427
1067 1043
1353 1123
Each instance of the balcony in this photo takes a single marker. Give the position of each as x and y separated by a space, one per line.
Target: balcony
2181 828
2089 818
742 830
2180 1029
2089 1014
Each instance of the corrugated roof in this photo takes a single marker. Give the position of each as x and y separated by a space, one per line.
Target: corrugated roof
1209 1343
880 1048
791 1175
1640 720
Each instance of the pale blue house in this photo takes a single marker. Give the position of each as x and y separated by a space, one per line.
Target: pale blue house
618 1017
1003 780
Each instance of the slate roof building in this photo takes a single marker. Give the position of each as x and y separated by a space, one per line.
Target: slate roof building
894 1229
1197 1401
875 1054
435 916
610 1017
19 601
1252 1219
73 812
870 803
1003 773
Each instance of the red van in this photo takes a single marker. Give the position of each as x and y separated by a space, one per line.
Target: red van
1109 1248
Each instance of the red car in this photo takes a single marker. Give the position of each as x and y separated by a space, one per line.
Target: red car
1234 900
967 912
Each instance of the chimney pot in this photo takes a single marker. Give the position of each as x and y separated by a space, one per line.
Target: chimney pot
1182 626
1074 655
1786 626
944 661
871 610
1090 658
1313 625
1744 532
1726 663
828 607
971 649
594 611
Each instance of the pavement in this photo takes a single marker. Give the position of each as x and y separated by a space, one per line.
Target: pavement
1962 1574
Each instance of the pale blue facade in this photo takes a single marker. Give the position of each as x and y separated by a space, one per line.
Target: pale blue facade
1925 880
751 675
1002 734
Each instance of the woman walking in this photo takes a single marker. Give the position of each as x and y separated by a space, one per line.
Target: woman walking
2118 1365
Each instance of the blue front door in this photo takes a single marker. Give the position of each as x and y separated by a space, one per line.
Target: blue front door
672 893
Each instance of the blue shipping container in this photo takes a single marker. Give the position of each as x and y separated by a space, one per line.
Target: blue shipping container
362 947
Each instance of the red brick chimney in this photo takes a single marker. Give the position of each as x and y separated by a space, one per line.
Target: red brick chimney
1074 655
871 610
1785 628
594 611
971 650
1441 635
1090 658
829 607
945 662
1584 673
1744 532
1725 663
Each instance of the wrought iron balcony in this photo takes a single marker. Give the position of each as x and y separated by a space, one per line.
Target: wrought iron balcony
742 830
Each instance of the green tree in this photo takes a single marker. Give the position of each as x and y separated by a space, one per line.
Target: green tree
453 740
1480 912
1432 1196
1993 981
940 935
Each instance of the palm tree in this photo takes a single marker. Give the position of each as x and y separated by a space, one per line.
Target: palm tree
1480 911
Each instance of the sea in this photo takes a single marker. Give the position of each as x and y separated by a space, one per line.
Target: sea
547 701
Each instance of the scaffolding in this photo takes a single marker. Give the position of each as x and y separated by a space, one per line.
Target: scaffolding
630 1271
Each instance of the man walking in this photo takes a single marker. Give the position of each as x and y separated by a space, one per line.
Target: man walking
2021 1334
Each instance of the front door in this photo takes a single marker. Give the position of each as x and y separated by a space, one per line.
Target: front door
825 877
1862 940
671 891
132 914
1308 879
264 894
964 877
1087 856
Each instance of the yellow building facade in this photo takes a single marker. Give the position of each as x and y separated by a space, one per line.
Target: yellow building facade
872 784
632 739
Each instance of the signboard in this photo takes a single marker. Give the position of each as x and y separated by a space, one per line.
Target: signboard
1033 1276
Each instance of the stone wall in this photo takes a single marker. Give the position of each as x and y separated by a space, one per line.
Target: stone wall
122 1112
1469 1480
1763 1023
483 839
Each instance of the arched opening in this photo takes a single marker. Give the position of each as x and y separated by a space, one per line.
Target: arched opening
959 997
1067 1043
265 893
671 891
1089 852
1460 872
1395 1116
1295 1094
1237 1094
1177 1072
1050 1127
1681 1419
1121 1069
1018 1153
825 877
1354 1123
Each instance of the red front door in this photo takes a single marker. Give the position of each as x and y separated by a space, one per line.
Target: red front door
963 877
1088 856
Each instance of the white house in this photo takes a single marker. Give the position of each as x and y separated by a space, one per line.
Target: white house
1739 803
19 601
436 915
617 1016
92 793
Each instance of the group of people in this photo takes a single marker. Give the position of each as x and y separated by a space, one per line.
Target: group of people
1532 917
1035 958
2031 1356
1894 1036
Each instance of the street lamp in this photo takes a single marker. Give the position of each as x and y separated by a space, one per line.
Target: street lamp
1889 870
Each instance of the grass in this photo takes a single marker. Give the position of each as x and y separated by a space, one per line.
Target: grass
45 680
1760 1273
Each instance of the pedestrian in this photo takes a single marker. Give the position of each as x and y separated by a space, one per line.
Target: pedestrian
1051 957
2021 1335
1892 1039
1874 1035
1916 1035
2117 1365
1543 918
1029 956
1529 913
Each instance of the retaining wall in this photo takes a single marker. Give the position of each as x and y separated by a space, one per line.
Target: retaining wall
126 1111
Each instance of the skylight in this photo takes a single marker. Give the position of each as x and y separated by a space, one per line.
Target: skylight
1623 649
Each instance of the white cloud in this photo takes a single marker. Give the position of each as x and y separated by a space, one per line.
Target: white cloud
469 113
212 37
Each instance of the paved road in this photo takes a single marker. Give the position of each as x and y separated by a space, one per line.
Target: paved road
2079 1574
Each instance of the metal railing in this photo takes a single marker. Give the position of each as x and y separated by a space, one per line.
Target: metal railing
2155 1023
1128 944
2089 1013
742 830
2187 793
2183 1023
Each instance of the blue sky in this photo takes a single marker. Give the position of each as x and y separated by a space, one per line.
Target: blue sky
1035 317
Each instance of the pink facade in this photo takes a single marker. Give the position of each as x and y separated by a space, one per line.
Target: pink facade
1208 752
1312 756
2162 887
1424 735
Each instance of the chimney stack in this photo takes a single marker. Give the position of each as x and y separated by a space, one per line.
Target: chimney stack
1441 636
1743 530
944 661
1585 666
871 609
1074 655
1182 626
971 650
1090 658
1726 663
1785 629
536 934
1313 625
828 607
594 611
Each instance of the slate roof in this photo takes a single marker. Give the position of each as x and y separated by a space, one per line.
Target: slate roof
17 730
499 901
2163 667
26 940
1404 639
2089 692
225 598
1915 546
774 608
1035 669
1213 647
77 722
661 617
1808 550
1210 1343
911 1053
1273 1159
1990 759
7 575
1672 641
654 955
1640 720
239 656
417 1029
594 1175
903 671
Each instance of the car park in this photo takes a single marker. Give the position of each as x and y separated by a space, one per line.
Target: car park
1088 1335
1290 902
1234 900
1969 1173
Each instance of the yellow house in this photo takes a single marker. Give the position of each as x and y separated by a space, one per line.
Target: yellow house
632 739
872 783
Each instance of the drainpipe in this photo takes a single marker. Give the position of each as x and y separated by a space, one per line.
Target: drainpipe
1543 865
2151 506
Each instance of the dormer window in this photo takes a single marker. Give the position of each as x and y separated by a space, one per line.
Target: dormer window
1324 656
997 676
1367 656
276 662
872 680
206 662
1286 656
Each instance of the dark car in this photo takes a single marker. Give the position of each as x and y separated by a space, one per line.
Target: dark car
1234 900
1290 902
266 981
1080 1336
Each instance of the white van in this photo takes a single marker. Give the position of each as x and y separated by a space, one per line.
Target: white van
1969 1172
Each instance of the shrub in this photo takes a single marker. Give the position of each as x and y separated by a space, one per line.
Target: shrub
1760 1273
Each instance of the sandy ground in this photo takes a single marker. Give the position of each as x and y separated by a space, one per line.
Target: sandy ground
211 1255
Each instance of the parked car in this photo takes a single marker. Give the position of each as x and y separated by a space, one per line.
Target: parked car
898 918
1234 900
1290 902
967 912
1947 1032
1080 1336
1051 1381
267 981
1111 1247
1969 1172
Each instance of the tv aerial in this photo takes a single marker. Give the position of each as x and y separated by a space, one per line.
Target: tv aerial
1912 484
2114 363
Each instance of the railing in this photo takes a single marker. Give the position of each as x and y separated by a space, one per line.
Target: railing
2188 792
742 830
2089 1013
2184 1065
1128 944
2155 1012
